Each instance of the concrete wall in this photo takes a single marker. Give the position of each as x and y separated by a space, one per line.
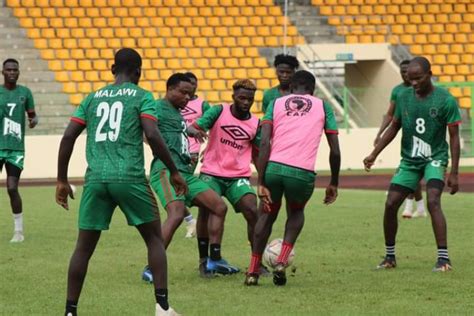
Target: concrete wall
42 152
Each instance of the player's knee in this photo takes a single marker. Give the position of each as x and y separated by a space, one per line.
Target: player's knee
12 191
434 203
220 208
391 206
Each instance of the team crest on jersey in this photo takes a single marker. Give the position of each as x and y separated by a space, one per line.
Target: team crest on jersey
298 106
236 132
22 99
433 112
187 111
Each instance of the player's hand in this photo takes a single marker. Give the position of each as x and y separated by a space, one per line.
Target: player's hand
331 194
201 136
453 183
33 121
63 190
369 162
178 183
264 195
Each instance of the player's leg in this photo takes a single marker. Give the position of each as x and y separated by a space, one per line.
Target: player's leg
176 211
202 235
434 176
13 178
420 204
95 213
85 246
403 183
264 225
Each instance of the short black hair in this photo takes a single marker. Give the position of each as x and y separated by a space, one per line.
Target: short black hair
404 62
423 62
286 59
10 60
190 75
175 79
127 60
303 78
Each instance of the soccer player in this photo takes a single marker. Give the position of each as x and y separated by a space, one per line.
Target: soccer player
15 100
291 132
417 196
116 117
423 113
285 66
179 90
227 157
191 112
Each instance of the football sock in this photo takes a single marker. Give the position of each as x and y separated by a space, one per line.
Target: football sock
18 221
390 250
161 296
216 252
443 253
71 308
409 205
203 247
255 262
284 253
188 219
420 206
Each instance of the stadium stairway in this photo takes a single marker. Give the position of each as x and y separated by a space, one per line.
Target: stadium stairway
51 102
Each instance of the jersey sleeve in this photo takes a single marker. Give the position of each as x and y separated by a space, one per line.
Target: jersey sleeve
80 114
268 116
453 117
207 120
148 108
30 102
330 125
205 106
393 95
258 137
397 115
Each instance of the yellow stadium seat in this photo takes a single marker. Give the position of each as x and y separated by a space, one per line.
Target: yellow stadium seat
69 43
459 48
159 85
215 42
203 63
433 8
90 53
107 32
229 41
172 42
464 69
449 70
100 65
187 63
69 87
84 87
447 38
158 64
48 33
440 59
465 103
215 63
459 78
467 58
451 28
428 18
74 33
442 18
465 27
210 74
56 22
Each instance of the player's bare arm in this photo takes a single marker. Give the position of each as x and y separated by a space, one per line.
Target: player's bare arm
160 150
63 189
32 118
387 138
196 132
335 164
385 122
455 150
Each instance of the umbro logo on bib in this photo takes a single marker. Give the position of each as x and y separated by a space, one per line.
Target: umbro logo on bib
187 111
236 132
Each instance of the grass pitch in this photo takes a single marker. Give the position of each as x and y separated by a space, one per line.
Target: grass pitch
335 258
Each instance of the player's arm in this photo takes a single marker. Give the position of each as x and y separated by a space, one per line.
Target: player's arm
159 149
63 190
335 164
386 139
30 110
455 149
387 118
199 128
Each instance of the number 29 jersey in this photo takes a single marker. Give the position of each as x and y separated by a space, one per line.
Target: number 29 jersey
424 123
114 148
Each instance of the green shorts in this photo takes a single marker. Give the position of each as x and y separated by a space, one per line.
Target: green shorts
99 201
160 182
13 157
409 175
296 184
232 188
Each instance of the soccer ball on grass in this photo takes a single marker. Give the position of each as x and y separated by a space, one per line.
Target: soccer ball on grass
272 251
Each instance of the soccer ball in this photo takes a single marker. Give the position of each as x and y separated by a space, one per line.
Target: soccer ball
272 251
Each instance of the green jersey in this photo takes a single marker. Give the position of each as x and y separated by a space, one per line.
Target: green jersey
13 105
269 96
114 148
424 123
173 129
397 90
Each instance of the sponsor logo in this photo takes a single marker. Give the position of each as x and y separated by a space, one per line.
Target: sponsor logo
433 112
236 132
187 111
298 106
420 148
11 128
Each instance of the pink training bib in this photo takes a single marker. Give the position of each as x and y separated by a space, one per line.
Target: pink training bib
298 123
229 149
191 113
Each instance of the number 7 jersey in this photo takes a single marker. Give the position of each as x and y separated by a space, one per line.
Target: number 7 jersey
424 123
112 116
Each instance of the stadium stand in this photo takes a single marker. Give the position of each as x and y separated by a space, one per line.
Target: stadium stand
217 40
441 30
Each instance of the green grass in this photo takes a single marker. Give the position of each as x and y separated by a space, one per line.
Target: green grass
335 259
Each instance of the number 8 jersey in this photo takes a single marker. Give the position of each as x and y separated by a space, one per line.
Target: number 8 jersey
424 123
114 148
